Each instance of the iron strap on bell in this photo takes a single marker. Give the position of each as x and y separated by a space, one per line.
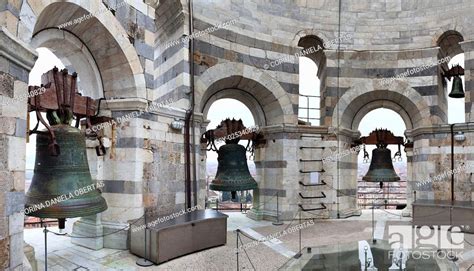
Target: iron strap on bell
62 186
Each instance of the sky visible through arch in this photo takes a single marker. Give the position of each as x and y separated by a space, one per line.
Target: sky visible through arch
45 62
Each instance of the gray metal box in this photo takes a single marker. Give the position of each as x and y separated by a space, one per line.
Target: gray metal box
179 236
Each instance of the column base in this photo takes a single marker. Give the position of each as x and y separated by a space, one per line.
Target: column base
349 212
406 212
88 226
29 260
117 240
256 214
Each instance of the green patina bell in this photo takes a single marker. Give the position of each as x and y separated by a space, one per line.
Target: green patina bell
232 171
62 185
457 91
381 167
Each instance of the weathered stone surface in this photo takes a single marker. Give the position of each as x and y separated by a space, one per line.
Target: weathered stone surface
4 252
15 223
9 20
15 202
6 181
16 250
3 153
6 85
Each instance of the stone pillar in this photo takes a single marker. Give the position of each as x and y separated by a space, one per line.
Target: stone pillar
89 226
92 225
347 172
122 172
410 182
468 48
292 154
16 61
431 163
277 169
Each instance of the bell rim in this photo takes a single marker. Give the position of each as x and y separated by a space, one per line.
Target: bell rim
91 208
457 95
228 188
385 180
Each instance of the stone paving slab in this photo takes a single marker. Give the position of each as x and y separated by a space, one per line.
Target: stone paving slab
62 255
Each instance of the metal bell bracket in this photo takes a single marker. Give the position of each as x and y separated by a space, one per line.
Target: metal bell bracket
454 71
232 131
61 101
380 138
398 155
366 158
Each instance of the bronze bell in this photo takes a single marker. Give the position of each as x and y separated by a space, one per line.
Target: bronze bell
381 167
232 171
457 91
62 185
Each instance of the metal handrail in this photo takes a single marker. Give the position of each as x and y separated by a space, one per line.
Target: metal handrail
309 171
313 209
308 108
313 197
317 184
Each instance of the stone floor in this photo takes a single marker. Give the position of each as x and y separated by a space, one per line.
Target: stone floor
63 255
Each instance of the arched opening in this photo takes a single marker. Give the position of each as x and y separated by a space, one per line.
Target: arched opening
311 75
99 50
75 56
362 98
258 90
393 195
117 65
456 106
45 62
450 49
219 110
309 94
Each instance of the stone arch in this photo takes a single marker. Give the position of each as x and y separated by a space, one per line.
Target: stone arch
70 50
308 33
443 30
103 36
248 85
388 104
312 38
247 99
369 95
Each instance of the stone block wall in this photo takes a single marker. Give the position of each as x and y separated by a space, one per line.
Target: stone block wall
468 48
16 61
432 163
383 68
134 49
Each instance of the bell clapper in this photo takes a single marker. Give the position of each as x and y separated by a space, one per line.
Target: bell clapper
61 224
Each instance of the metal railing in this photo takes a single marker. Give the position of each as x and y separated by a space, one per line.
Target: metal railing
308 109
390 195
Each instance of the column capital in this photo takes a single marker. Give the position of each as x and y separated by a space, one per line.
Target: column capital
16 51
